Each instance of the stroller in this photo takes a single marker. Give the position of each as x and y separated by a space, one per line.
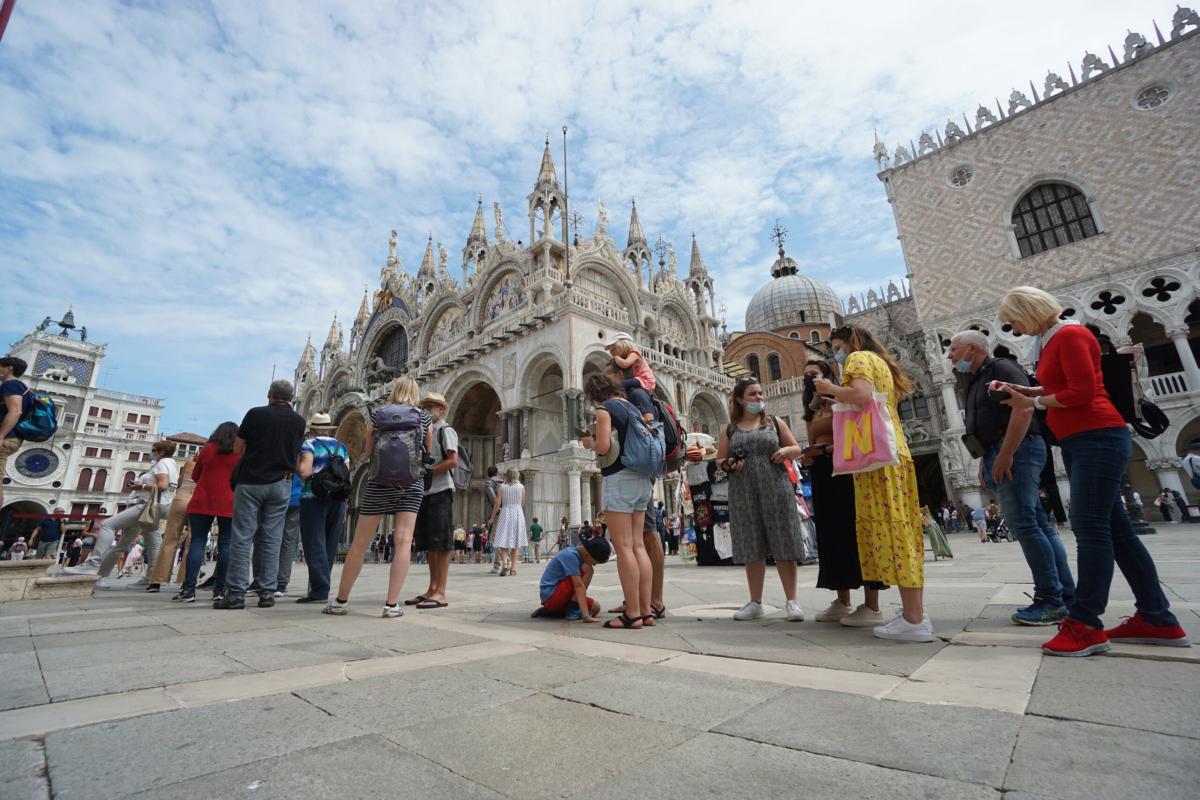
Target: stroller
998 531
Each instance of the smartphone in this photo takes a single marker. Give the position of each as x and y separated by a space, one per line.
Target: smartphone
999 395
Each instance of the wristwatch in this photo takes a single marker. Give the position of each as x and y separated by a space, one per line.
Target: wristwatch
1037 403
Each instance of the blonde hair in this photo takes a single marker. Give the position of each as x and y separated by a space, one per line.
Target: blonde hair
512 475
1029 306
405 391
624 347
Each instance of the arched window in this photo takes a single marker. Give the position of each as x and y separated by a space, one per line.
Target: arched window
752 365
127 481
794 335
802 315
774 368
85 480
913 407
1051 215
99 481
815 337
394 348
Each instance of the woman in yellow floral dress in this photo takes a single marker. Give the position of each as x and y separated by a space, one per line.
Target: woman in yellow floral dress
891 540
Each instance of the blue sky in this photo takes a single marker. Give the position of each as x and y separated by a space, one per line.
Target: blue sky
208 182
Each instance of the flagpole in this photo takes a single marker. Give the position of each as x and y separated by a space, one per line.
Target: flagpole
6 10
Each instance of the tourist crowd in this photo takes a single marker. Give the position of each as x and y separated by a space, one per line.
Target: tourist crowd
276 482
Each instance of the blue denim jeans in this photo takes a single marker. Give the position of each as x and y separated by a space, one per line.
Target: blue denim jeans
321 521
1095 462
200 525
257 505
1029 523
637 395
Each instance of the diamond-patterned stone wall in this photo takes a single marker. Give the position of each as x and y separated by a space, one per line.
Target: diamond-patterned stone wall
1140 169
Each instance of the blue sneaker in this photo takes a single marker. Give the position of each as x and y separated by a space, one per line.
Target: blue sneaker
574 615
1040 613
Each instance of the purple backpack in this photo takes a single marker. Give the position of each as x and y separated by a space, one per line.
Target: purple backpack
398 447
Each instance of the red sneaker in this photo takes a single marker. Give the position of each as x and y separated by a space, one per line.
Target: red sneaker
1135 630
1076 639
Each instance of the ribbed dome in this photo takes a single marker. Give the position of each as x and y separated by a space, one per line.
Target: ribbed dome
779 304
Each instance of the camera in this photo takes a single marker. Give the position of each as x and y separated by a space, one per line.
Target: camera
739 453
427 459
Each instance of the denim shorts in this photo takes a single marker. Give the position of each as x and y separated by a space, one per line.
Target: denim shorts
626 491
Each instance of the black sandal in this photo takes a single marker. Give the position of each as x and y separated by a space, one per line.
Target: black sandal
647 620
659 612
412 601
626 623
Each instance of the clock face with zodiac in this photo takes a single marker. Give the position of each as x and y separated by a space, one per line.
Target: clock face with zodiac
37 462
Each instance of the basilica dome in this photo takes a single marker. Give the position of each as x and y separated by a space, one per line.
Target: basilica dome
790 299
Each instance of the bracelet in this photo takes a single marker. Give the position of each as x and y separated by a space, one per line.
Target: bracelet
1037 403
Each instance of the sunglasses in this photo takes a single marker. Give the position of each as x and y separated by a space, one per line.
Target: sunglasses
746 379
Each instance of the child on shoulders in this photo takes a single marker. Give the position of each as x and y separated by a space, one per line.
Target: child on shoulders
566 578
639 381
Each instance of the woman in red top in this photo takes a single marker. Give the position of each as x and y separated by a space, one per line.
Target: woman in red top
1095 447
212 500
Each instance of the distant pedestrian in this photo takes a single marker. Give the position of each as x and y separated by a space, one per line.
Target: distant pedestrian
394 486
269 441
49 531
508 521
535 540
173 528
323 513
19 550
491 489
212 502
1165 506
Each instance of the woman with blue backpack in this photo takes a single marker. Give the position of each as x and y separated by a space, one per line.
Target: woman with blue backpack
398 438
324 467
626 488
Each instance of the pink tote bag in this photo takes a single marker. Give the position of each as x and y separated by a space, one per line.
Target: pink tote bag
864 437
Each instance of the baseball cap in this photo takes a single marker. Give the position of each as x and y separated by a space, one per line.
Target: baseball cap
598 548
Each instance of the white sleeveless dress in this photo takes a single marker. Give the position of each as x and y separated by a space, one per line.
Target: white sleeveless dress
510 525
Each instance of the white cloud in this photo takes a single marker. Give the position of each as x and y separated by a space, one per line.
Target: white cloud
218 178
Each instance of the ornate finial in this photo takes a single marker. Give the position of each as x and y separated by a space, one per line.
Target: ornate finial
779 236
575 220
660 247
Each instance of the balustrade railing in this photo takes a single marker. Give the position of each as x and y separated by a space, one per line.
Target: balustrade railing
1169 385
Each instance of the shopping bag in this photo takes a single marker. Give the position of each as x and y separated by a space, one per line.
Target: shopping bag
864 437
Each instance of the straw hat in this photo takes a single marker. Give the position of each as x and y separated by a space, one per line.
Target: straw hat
320 420
433 398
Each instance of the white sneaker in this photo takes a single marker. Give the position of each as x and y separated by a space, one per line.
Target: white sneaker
901 630
862 617
834 613
794 612
281 594
751 610
101 585
82 569
334 607
391 611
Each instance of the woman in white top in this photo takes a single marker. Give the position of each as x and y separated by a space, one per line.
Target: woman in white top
509 533
163 476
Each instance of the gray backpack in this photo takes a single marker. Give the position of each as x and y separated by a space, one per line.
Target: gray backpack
399 441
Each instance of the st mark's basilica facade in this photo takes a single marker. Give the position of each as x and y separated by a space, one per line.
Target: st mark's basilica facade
510 342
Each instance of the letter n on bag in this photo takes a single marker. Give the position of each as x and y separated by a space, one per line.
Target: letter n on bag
857 437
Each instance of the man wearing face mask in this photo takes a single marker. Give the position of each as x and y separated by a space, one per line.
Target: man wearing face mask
1013 453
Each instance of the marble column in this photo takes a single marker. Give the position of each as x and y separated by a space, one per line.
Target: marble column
585 498
1179 336
523 423
573 498
1167 470
572 413
503 415
954 417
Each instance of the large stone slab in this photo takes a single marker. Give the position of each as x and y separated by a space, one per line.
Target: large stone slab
389 703
681 697
138 674
1068 760
84 766
712 766
409 638
1149 695
21 682
963 744
542 669
500 747
22 771
116 651
366 766
144 633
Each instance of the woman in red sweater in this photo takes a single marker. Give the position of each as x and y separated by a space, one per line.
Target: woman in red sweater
211 501
1095 447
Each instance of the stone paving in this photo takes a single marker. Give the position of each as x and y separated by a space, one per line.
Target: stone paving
129 695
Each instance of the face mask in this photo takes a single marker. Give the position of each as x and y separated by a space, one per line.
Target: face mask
755 408
963 365
839 356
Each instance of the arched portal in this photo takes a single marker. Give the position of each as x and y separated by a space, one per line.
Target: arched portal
706 415
20 518
475 417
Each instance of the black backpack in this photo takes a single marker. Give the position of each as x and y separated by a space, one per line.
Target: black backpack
333 481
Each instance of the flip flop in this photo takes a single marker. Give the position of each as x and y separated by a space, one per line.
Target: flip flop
415 600
425 605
